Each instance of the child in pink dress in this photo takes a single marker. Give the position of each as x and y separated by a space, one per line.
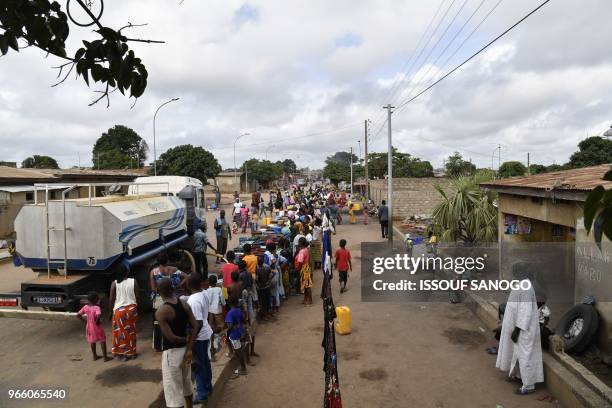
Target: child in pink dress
94 331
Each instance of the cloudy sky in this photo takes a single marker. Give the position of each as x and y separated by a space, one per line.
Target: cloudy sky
302 76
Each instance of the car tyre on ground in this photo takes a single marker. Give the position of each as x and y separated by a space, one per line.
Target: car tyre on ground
577 328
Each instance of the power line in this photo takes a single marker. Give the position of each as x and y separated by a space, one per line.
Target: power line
447 47
280 141
410 70
393 89
466 39
459 47
416 83
474 55
448 26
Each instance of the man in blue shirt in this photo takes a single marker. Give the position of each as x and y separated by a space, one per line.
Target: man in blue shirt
200 242
223 233
383 217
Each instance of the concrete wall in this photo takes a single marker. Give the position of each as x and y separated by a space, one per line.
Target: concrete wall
227 184
553 257
541 214
593 277
411 196
560 212
573 256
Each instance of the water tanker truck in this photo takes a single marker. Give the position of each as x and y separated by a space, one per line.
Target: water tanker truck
78 245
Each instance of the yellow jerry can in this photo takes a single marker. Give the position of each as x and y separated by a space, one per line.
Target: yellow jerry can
343 320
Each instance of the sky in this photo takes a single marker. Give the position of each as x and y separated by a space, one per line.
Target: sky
301 77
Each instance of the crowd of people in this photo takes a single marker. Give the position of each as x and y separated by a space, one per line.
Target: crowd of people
196 312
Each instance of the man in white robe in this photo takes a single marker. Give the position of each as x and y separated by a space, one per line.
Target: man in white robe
520 350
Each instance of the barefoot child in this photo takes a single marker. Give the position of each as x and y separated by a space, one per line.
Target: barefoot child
343 264
235 332
94 331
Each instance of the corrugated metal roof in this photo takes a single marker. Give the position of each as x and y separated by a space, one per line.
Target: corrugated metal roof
584 179
10 173
25 188
91 172
13 173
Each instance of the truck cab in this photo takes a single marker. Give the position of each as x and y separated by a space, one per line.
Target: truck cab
188 189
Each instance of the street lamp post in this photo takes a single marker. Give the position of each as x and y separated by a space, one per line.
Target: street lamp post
498 159
351 171
268 148
235 172
154 141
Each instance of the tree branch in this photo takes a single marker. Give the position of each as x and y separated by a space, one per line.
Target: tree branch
146 41
61 67
130 25
104 94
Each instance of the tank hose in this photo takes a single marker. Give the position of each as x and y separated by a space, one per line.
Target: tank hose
191 259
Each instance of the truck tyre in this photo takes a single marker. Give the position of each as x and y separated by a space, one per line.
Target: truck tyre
141 274
577 328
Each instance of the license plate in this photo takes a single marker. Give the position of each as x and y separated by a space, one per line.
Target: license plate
47 300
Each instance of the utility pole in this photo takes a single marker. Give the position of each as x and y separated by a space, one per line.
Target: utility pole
246 178
498 159
389 109
367 180
267 149
528 169
351 171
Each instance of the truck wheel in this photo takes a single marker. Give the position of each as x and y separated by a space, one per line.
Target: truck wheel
577 328
141 274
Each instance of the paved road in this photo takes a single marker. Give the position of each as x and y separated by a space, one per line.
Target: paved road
399 354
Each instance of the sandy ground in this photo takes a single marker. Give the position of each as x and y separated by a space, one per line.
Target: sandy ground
399 355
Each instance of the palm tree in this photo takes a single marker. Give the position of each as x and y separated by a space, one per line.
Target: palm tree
467 213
